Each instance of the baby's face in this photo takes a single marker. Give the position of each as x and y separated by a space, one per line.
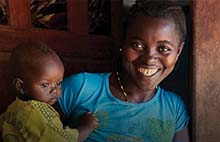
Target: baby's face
44 83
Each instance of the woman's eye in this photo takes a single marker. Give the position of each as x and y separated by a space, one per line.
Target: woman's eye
137 46
44 85
164 49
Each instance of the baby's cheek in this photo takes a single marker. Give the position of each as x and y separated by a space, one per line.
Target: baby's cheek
58 92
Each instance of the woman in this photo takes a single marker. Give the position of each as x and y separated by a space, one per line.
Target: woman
129 104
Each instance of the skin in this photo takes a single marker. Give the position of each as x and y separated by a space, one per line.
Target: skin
43 83
88 122
151 48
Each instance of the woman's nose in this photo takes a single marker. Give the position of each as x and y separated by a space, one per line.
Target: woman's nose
150 55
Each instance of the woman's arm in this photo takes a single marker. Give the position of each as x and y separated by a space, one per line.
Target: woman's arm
182 136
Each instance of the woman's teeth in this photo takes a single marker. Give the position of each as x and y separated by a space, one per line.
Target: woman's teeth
147 72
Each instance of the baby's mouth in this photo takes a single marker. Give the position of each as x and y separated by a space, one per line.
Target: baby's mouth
147 71
53 99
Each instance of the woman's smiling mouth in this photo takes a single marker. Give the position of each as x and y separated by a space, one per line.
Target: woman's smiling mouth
147 71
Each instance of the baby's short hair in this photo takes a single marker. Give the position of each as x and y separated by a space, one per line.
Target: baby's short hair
27 54
165 9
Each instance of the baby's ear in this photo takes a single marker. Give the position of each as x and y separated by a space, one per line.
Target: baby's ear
18 83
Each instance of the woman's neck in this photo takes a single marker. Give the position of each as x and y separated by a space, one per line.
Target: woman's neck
137 95
131 91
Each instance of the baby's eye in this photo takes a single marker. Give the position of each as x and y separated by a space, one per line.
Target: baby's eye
44 85
164 49
137 46
58 83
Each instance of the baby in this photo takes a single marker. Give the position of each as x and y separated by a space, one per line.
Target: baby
37 73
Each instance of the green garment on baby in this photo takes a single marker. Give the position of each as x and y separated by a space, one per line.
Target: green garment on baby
34 121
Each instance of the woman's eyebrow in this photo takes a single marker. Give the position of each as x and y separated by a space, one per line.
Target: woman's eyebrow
165 42
135 38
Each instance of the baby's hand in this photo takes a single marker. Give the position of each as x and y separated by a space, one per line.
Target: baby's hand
89 120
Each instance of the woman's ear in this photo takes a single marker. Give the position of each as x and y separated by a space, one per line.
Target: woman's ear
18 83
180 50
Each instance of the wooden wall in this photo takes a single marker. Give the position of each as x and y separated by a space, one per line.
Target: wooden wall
205 61
206 71
79 50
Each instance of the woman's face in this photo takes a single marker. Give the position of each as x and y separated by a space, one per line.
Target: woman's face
151 49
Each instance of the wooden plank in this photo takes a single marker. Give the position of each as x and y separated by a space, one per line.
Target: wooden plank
19 14
116 19
77 16
6 98
80 53
89 46
206 70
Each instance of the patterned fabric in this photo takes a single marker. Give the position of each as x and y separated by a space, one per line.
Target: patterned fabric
156 120
52 14
3 12
49 14
99 17
34 121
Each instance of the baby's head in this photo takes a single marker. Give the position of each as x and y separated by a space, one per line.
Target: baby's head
37 72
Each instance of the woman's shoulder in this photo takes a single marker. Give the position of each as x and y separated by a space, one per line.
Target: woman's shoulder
84 82
89 75
86 76
172 101
170 96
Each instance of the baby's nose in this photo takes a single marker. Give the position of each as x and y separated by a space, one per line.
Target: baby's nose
54 90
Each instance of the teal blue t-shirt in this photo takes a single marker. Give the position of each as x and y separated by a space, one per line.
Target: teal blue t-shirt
156 120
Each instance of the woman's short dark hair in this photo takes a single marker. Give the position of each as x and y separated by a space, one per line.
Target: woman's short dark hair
165 9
